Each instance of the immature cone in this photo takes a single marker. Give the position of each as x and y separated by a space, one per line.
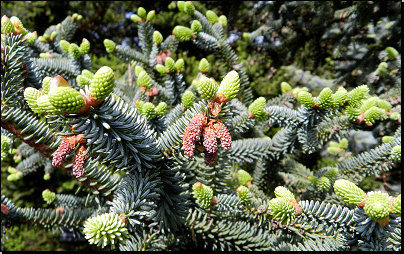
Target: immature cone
66 99
222 134
387 139
103 83
84 46
396 206
187 99
339 97
195 84
64 45
109 46
212 17
44 103
384 104
88 74
31 37
247 36
396 153
325 98
144 79
138 70
243 193
204 65
257 108
382 69
373 114
207 88
169 63
48 196
189 8
74 51
157 37
394 116
18 27
135 18
331 173
196 27
139 105
357 94
53 35
141 12
161 108
333 150
343 143
149 110
179 64
230 85
283 192
203 194
181 6
377 207
6 25
349 192
31 95
323 183
368 103
150 15
161 69
105 229
223 20
243 177
392 53
285 87
82 81
182 33
282 209
306 99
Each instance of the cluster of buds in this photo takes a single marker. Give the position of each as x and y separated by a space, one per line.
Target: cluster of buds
376 205
284 206
186 7
324 182
213 18
149 110
143 15
359 106
58 97
73 49
337 147
203 195
105 229
14 25
48 196
213 132
144 82
170 65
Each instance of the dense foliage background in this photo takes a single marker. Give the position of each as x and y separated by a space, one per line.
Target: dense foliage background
315 36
